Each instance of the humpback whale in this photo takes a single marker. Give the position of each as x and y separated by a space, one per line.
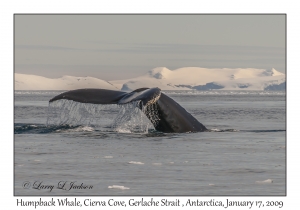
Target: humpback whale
171 117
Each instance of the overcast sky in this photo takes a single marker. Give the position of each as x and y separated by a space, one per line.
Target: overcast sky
124 46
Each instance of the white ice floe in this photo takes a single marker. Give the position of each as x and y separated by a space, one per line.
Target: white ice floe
108 157
134 162
265 181
118 187
157 164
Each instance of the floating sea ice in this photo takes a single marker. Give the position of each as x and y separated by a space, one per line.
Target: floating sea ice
138 163
157 164
211 184
265 181
108 157
118 187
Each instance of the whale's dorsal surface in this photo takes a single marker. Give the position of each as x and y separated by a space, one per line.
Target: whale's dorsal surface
171 117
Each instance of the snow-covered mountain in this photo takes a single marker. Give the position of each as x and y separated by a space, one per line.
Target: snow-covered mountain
180 79
33 82
206 79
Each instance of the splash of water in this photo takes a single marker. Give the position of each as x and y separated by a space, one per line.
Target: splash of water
130 118
73 113
125 118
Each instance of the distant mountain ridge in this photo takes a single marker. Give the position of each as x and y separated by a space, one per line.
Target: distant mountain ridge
206 79
33 82
179 79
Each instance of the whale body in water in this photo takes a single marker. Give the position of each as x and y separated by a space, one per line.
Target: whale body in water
171 117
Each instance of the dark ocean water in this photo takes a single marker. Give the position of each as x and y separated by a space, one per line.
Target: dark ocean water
117 152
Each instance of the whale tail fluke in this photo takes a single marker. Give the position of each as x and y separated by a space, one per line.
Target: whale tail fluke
169 115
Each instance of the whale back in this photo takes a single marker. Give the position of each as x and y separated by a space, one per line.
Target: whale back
174 118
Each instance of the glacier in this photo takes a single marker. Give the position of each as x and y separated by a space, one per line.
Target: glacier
187 78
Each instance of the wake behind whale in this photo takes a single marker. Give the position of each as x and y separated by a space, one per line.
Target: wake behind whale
164 113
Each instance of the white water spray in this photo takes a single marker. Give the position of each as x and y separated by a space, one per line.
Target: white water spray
121 118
